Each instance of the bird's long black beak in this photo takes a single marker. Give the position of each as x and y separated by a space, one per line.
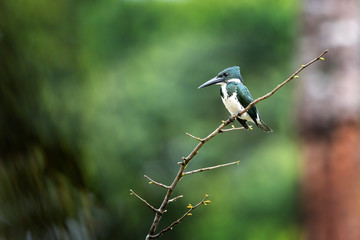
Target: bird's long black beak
211 82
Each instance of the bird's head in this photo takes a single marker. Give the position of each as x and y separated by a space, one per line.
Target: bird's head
225 76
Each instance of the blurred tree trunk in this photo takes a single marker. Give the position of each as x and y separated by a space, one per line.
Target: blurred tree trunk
328 120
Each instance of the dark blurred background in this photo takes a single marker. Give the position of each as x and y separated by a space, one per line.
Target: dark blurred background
95 94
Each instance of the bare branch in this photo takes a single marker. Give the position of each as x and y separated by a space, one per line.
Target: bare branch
192 136
144 201
188 213
219 129
210 168
156 183
175 198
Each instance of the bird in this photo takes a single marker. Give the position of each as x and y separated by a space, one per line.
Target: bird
236 96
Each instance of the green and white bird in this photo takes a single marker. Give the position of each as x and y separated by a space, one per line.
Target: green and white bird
236 96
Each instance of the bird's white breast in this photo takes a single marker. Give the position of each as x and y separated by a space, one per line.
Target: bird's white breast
232 104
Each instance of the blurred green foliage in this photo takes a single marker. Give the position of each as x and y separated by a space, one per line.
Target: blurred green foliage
95 94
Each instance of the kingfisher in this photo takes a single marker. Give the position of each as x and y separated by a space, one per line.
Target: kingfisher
236 97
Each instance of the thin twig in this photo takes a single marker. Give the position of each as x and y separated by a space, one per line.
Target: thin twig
192 136
188 213
234 129
157 183
210 168
219 129
175 198
144 201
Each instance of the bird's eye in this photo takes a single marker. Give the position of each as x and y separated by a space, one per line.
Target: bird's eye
226 74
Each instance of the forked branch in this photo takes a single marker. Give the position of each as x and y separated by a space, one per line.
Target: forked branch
188 213
186 160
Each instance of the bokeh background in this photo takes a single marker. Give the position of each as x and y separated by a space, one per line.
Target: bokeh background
95 94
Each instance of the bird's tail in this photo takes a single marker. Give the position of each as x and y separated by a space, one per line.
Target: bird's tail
263 126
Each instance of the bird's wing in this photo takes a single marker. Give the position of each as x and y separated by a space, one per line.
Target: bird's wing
245 99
